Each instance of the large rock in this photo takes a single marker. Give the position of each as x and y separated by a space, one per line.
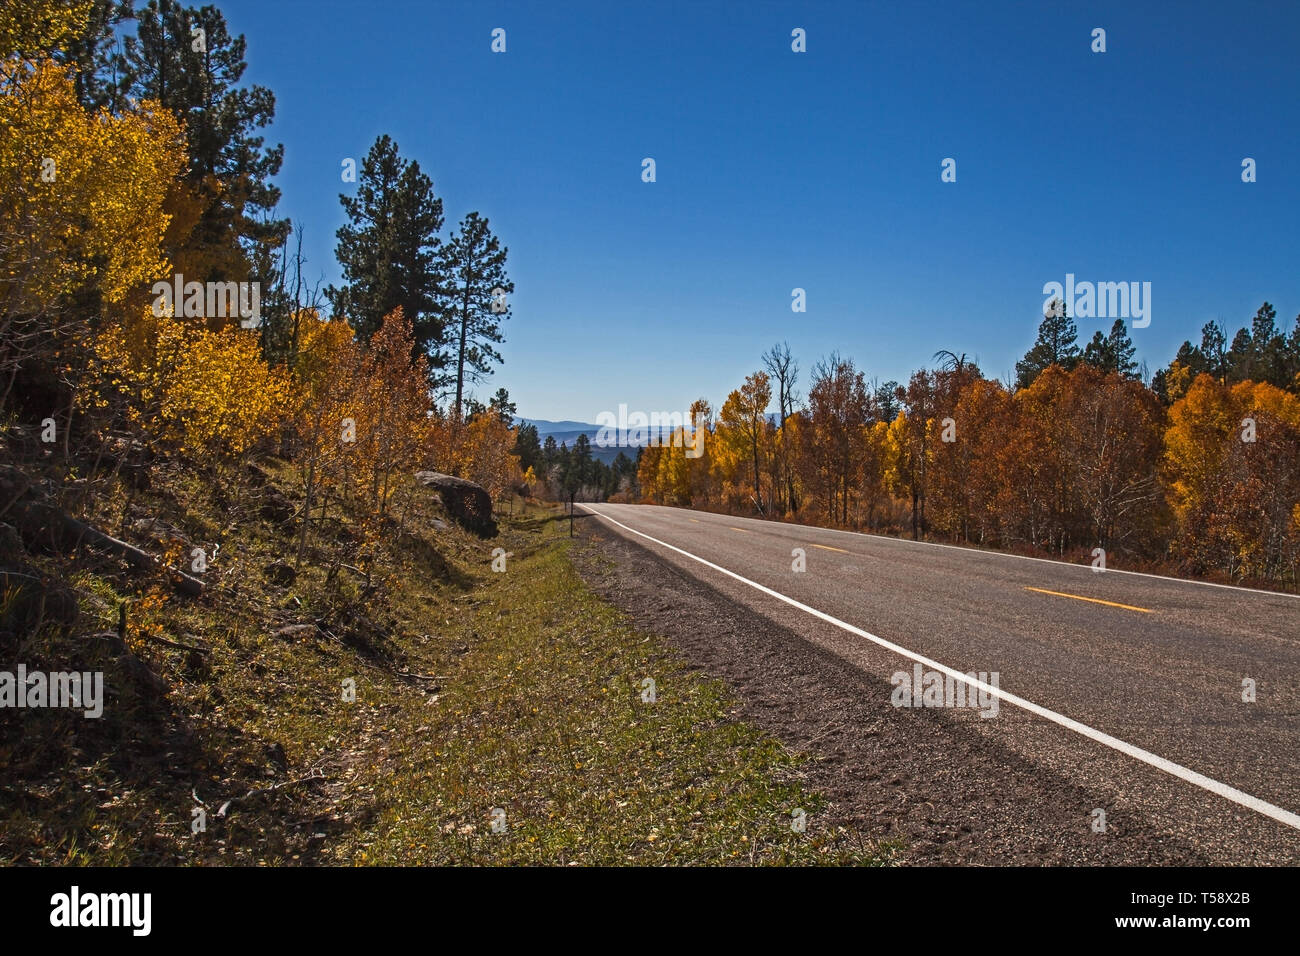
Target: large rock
466 502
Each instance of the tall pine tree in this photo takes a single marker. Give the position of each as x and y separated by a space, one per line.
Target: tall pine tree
475 262
1113 352
390 252
186 59
1057 344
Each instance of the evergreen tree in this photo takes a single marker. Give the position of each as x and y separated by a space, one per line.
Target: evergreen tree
1291 364
1214 350
528 447
505 409
1268 346
96 56
581 470
885 401
1057 344
1121 350
1160 386
1191 357
389 253
475 263
1098 354
186 59
1241 357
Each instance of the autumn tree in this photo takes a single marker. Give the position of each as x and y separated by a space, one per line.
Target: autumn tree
745 413
837 410
1232 457
327 366
82 221
1111 430
209 394
986 427
38 29
391 409
784 370
950 448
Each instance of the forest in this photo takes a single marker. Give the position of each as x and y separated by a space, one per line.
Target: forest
1195 471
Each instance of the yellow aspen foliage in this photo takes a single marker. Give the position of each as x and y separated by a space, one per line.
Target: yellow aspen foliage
209 392
81 194
327 367
30 28
485 454
325 350
1196 441
1178 380
647 474
387 401
1232 456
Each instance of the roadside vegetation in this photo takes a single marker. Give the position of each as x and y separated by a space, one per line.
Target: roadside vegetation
228 736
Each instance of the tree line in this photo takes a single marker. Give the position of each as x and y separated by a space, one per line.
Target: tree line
1197 470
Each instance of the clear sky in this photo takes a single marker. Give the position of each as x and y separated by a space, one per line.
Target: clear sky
818 170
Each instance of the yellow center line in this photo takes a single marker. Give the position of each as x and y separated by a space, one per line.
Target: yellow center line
827 547
1080 597
741 530
696 520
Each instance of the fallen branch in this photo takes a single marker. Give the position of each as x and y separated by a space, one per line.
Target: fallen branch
176 644
315 774
39 519
429 677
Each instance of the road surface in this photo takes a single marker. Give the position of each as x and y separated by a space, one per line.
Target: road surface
1126 687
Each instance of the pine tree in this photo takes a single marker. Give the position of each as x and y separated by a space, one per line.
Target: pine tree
389 252
475 262
197 76
1241 357
95 54
1121 350
1214 349
1057 344
1098 354
581 469
505 409
1292 356
1268 347
528 447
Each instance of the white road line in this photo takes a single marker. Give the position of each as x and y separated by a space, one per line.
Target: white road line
999 554
1160 763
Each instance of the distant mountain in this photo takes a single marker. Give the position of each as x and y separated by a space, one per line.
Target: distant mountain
566 433
545 427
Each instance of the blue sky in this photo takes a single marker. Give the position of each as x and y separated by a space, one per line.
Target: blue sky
818 170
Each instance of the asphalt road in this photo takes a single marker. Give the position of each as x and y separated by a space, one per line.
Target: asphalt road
1130 686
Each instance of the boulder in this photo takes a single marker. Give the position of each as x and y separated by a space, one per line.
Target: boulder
467 503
